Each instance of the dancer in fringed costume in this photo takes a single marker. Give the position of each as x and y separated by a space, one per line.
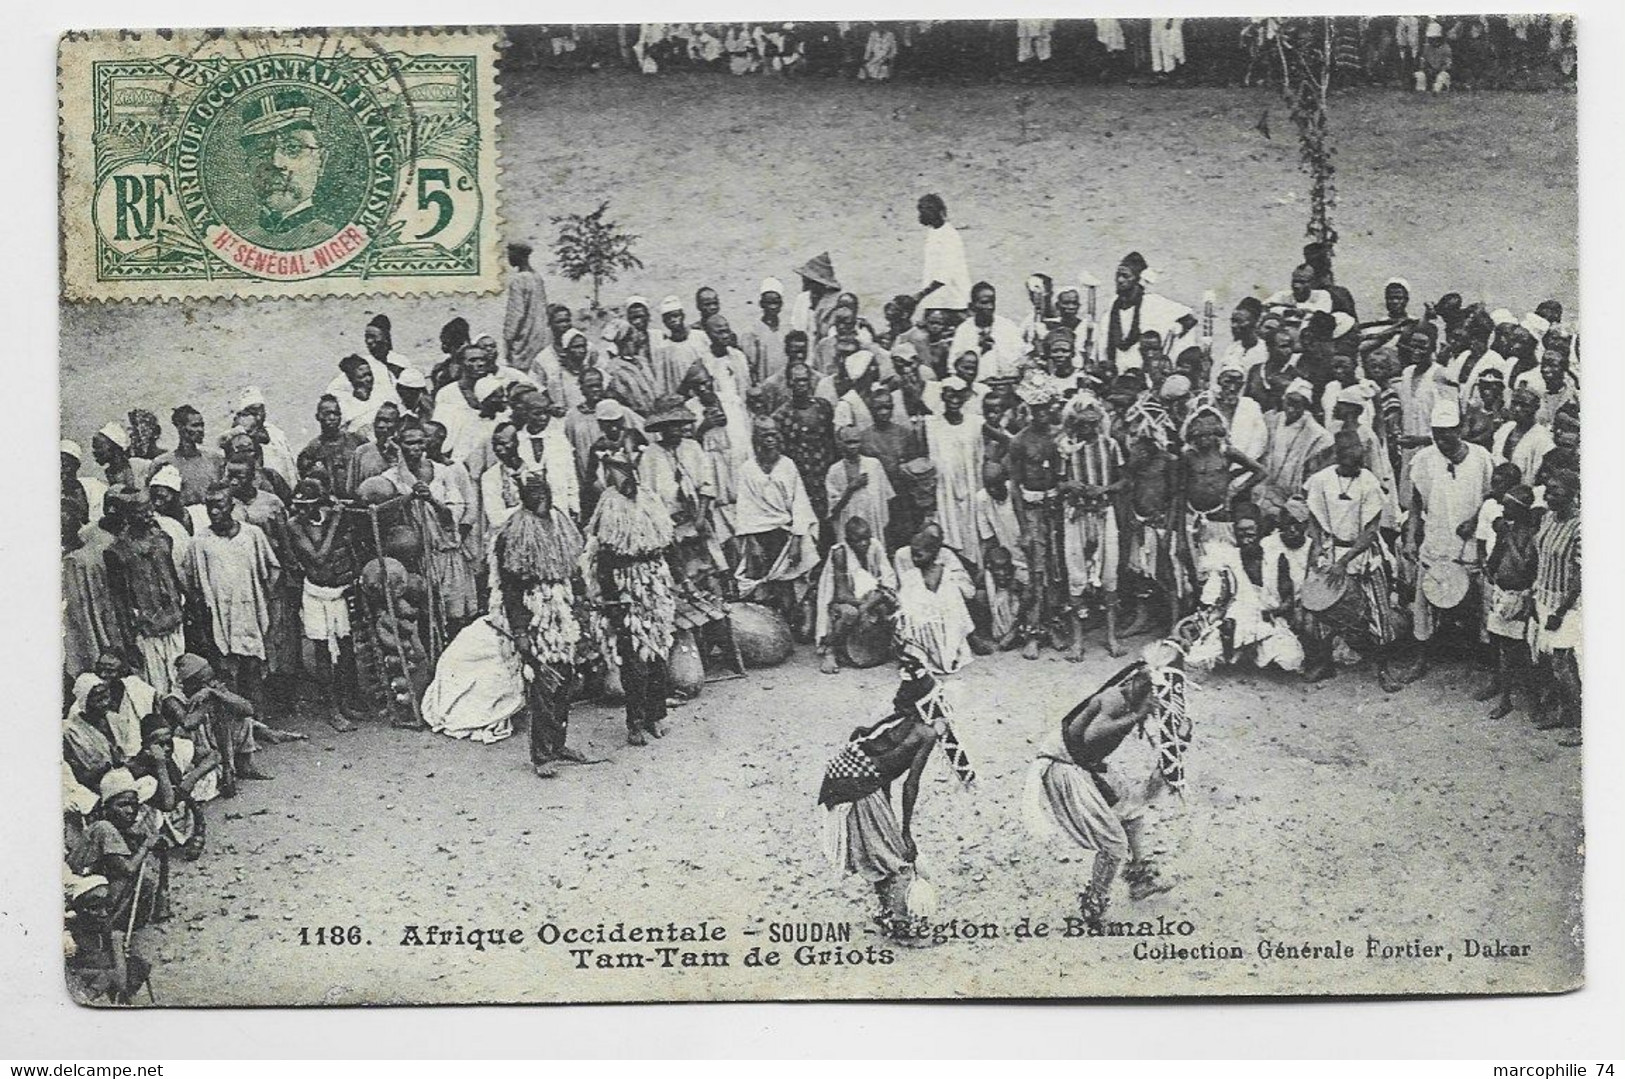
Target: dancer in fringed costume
861 832
1072 791
538 552
629 541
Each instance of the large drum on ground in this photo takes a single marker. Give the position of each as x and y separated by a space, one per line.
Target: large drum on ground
868 645
685 669
763 637
1334 600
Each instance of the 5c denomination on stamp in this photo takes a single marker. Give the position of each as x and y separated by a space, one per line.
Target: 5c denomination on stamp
238 163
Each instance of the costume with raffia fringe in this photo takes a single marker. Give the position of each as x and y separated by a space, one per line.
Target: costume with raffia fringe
537 557
628 540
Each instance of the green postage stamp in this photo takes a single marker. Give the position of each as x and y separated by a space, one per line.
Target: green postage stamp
325 162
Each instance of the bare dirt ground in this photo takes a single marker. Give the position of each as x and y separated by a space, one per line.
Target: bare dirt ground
1313 815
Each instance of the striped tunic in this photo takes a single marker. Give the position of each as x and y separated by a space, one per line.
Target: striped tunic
1557 559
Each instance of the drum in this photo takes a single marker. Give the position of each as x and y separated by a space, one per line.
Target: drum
1445 583
685 669
868 645
762 636
1335 601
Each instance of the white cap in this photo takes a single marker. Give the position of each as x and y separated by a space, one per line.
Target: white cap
636 301
168 476
250 397
670 304
487 386
1501 316
1446 412
609 409
71 448
412 379
771 284
116 434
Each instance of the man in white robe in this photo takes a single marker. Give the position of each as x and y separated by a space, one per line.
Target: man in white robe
856 486
955 445
996 339
945 276
777 529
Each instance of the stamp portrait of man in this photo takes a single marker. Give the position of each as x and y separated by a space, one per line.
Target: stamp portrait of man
287 158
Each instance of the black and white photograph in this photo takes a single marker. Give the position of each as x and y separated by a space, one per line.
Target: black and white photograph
1060 508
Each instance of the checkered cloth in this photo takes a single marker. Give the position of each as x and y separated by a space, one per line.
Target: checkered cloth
849 776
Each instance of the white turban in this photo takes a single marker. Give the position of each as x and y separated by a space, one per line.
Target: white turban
670 304
487 386
169 476
117 435
1446 412
771 284
1352 395
1300 387
119 781
250 397
71 448
858 363
636 301
570 335
1230 367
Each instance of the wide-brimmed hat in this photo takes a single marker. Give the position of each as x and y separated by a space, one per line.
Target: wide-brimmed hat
669 411
819 270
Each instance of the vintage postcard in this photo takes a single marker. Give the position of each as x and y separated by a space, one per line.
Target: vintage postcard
238 164
915 510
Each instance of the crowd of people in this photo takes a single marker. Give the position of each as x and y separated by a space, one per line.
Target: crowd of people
539 515
1411 51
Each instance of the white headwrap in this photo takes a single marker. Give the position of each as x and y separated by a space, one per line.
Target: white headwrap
771 284
250 397
1300 387
487 386
71 448
670 304
636 301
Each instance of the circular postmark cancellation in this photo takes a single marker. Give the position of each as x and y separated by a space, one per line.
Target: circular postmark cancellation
286 166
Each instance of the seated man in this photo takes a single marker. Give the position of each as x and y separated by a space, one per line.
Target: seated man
1002 606
857 586
1243 626
932 590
